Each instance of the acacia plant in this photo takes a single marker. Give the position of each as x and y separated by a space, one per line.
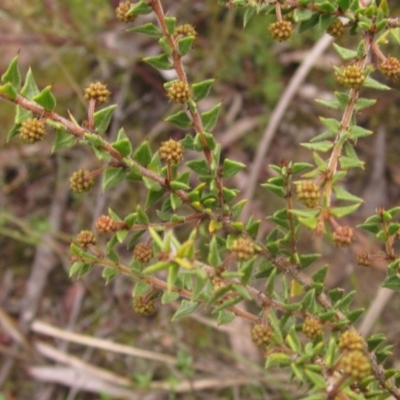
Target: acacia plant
218 261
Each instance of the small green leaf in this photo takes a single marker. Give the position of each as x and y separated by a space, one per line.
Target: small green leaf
320 275
160 62
159 266
153 196
363 103
176 185
200 90
180 119
298 168
357 132
112 176
334 104
122 144
238 208
340 212
102 118
186 308
224 317
344 4
199 166
343 194
12 74
302 14
309 23
231 168
109 273
171 23
293 340
169 297
173 271
46 99
143 154
345 53
350 162
9 90
249 12
373 84
62 140
392 283
373 228
317 380
140 8
164 43
147 29
330 123
277 190
14 131
278 359
76 268
352 316
308 259
210 117
185 44
227 304
323 146
30 89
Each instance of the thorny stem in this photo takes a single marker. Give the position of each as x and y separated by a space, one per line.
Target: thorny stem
196 117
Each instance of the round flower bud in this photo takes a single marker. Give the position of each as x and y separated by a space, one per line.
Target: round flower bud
281 30
336 28
143 306
122 9
32 130
243 249
105 224
217 283
390 67
308 193
355 364
171 151
97 91
343 236
261 335
179 92
364 259
142 253
312 327
85 238
351 76
351 340
185 30
81 182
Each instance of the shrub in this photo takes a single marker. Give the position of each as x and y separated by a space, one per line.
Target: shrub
220 260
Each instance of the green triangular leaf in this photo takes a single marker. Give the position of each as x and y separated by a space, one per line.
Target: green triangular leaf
186 308
231 168
62 140
147 29
12 74
102 118
143 154
200 90
160 62
122 144
46 99
344 53
210 117
30 89
180 119
112 176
